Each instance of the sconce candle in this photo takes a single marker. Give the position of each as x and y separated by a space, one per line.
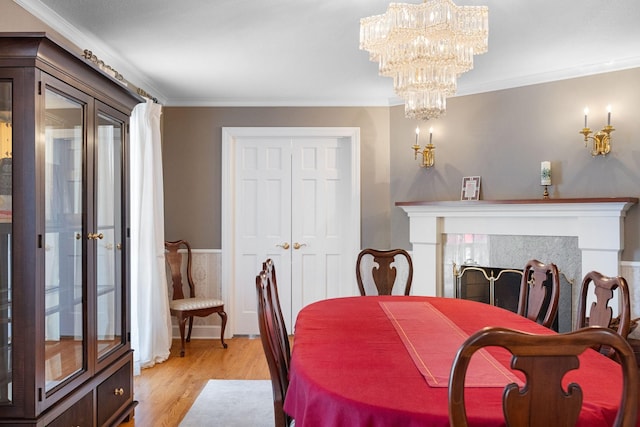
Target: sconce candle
430 135
609 115
417 134
545 173
586 112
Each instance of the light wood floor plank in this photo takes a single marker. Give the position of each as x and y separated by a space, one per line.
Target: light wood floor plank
166 392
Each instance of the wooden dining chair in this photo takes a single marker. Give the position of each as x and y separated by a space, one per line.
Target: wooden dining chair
544 359
186 308
272 335
600 314
380 270
269 267
539 288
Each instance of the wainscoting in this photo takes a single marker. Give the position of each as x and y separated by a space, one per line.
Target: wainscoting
630 270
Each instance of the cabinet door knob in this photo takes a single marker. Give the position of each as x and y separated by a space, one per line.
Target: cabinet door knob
297 245
284 246
118 391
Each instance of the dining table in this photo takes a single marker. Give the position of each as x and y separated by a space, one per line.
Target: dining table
384 361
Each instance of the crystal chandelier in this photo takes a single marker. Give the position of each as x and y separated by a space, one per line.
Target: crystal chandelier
425 47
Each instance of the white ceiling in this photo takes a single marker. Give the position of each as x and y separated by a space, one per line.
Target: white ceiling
305 52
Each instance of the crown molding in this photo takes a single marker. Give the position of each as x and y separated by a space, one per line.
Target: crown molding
83 40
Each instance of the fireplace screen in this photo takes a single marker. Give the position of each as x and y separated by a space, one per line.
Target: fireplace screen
495 286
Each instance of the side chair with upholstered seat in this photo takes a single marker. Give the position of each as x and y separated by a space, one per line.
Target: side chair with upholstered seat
380 270
539 288
185 308
545 359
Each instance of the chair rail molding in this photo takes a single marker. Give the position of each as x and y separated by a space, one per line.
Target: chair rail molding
598 223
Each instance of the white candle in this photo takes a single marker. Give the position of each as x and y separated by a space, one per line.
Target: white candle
545 173
609 115
586 111
430 134
417 134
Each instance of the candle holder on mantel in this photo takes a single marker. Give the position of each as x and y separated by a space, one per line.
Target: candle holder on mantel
545 177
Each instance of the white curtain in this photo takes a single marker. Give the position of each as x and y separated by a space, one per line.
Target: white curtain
150 317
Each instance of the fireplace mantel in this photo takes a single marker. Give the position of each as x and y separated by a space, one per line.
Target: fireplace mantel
598 223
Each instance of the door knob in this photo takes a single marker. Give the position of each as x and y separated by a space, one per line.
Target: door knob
297 245
284 246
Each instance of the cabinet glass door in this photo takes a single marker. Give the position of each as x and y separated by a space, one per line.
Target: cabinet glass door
108 199
64 242
6 141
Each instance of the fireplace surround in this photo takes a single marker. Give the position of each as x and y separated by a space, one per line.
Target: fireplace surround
597 223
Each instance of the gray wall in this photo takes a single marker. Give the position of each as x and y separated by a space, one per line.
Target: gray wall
504 135
192 148
501 136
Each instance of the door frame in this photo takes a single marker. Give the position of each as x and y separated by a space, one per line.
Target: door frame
351 135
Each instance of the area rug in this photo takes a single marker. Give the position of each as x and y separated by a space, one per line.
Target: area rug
232 403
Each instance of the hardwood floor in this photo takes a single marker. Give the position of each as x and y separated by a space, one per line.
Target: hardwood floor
166 392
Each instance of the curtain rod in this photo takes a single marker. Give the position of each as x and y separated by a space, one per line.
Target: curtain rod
89 56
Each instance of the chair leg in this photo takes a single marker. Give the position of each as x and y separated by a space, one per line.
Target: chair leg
223 316
181 323
190 327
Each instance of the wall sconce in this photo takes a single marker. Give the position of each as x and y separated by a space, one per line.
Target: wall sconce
601 141
428 155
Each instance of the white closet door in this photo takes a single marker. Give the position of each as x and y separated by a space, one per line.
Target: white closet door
321 267
293 203
263 223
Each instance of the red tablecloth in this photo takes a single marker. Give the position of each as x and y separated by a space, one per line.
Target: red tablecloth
350 368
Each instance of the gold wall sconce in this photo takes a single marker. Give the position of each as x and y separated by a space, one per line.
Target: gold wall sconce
427 153
601 140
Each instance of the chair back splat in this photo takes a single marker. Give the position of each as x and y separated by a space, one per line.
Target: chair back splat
540 287
186 308
273 333
545 359
600 313
379 270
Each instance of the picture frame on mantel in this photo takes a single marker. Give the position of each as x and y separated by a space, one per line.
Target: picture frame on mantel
470 188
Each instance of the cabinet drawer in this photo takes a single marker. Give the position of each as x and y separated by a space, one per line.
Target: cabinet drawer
80 414
114 392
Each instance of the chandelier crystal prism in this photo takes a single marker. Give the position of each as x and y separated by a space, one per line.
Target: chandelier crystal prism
425 48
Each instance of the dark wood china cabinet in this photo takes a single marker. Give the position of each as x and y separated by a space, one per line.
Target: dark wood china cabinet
65 354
